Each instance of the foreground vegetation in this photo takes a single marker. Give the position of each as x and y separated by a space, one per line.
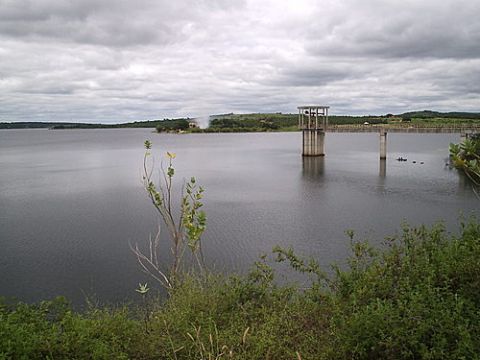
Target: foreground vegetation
415 298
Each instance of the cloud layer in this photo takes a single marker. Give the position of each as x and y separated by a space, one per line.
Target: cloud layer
119 60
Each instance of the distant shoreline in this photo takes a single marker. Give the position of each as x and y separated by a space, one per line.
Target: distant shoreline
258 122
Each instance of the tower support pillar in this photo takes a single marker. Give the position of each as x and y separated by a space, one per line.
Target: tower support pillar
313 142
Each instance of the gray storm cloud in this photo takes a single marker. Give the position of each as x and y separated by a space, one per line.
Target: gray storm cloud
113 61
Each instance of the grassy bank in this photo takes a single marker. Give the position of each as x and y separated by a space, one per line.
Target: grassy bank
417 298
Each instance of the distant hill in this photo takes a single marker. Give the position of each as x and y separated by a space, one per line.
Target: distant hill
66 125
29 125
429 114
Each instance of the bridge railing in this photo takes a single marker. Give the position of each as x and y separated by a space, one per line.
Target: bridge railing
406 127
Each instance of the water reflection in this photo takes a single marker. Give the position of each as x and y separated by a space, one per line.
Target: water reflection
465 186
313 167
383 168
382 173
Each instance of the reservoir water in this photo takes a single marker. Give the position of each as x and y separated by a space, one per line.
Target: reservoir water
72 200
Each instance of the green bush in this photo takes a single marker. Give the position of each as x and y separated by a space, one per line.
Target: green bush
419 299
53 330
466 157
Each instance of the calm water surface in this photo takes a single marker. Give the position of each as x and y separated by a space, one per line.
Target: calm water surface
70 201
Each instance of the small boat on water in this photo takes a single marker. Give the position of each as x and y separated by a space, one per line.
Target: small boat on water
401 159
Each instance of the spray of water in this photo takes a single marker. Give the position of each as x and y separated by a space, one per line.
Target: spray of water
203 121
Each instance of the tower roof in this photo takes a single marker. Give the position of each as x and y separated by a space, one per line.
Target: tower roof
313 107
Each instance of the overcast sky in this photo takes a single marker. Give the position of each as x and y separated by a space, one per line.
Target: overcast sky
123 60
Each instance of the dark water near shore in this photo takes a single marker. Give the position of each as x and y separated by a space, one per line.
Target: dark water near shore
70 201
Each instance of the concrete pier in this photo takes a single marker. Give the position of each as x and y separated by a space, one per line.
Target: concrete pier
383 145
383 168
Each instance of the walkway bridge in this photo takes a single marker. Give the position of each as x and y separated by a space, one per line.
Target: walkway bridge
313 121
403 128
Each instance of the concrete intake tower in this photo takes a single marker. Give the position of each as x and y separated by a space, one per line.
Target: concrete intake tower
313 121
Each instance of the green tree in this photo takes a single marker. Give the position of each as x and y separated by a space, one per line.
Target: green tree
466 157
184 229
